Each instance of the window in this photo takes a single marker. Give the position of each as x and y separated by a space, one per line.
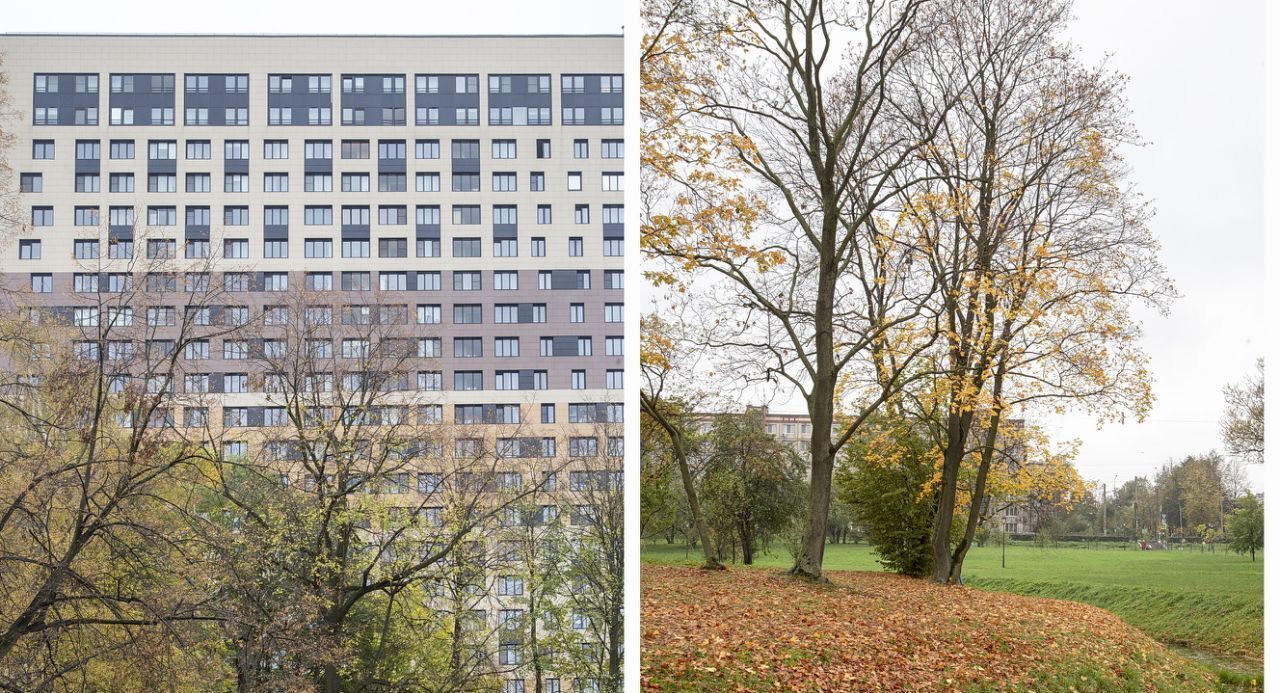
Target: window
613 379
538 247
613 279
275 217
235 248
581 149
87 216
427 182
610 84
611 149
613 312
34 183
355 182
582 214
199 182
575 181
466 281
42 283
317 182
393 247
427 149
507 347
611 116
317 248
466 247
612 214
162 183
196 150
355 248
503 182
537 181
611 182
318 150
319 281
504 149
355 216
275 149
355 149
29 250
613 346
120 182
84 249
275 249
578 380
317 216
42 149
506 280
235 182
393 215
391 182
465 182
575 246
466 214
42 216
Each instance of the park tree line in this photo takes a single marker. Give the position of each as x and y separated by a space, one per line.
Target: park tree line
913 215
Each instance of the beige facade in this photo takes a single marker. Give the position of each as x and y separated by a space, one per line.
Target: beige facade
570 218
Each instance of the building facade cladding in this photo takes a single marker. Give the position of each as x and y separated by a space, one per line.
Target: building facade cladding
455 159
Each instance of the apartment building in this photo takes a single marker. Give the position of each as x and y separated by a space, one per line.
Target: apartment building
465 192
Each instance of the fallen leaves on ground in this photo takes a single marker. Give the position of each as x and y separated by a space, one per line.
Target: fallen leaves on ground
752 629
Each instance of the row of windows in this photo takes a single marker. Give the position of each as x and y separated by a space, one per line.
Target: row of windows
506 181
316 248
322 84
240 282
318 215
323 115
393 415
420 347
426 381
238 150
272 315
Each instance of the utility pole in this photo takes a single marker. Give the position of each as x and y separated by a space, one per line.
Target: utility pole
1104 509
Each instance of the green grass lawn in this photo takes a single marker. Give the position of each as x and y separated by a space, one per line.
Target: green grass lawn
1208 602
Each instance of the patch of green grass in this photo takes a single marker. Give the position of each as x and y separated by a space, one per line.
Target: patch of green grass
1200 600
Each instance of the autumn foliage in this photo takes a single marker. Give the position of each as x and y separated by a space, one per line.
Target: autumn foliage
751 629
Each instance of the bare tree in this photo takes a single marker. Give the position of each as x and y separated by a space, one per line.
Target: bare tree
1243 425
92 469
813 287
362 486
1035 241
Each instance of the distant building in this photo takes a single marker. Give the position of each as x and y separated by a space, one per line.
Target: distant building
792 430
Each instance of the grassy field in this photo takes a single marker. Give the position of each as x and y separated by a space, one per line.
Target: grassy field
1204 602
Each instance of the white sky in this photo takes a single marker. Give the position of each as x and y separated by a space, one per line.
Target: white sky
321 16
1196 92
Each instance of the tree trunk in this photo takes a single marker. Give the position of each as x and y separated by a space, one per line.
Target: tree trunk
942 521
809 561
748 549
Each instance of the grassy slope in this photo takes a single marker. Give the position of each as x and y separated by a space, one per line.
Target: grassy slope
1204 601
744 629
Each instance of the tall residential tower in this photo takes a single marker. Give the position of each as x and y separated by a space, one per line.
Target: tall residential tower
462 192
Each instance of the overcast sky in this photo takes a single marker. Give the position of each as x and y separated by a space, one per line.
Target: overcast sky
1196 91
320 16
